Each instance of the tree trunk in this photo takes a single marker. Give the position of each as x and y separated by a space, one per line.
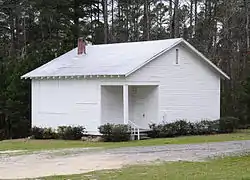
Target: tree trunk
91 22
215 30
146 22
13 39
127 21
149 22
176 19
112 18
191 19
247 25
98 11
17 32
24 37
195 13
171 19
105 16
119 10
206 9
134 21
76 21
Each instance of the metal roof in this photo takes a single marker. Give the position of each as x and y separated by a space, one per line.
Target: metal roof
108 59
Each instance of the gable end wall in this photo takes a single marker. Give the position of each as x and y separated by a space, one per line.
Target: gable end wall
190 90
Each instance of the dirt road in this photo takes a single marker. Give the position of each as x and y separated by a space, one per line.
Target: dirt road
73 161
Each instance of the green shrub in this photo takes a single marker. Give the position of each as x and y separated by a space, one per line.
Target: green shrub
115 132
70 132
178 128
49 133
43 133
205 127
168 130
181 128
228 124
161 130
37 132
155 130
63 132
106 131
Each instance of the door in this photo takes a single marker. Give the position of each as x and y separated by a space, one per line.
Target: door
139 109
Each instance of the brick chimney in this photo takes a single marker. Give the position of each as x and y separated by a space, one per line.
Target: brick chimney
81 46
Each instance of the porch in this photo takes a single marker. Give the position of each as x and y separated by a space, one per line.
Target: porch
136 105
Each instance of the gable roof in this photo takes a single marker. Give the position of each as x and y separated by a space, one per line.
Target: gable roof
111 59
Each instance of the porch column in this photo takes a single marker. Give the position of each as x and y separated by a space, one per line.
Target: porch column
125 104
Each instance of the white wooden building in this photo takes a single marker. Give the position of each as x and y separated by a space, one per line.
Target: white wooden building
132 83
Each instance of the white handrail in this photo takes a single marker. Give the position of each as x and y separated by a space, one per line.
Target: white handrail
130 122
134 128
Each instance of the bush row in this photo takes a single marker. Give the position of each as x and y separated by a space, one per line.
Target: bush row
184 128
62 132
120 132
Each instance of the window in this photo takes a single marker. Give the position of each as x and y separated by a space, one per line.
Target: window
177 56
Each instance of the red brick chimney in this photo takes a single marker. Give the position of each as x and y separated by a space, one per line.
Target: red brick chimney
81 46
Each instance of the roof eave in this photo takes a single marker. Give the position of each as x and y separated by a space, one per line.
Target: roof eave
73 76
225 76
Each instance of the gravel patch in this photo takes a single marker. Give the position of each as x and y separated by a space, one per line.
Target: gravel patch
74 161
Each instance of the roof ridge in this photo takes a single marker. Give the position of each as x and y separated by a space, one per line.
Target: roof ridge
134 42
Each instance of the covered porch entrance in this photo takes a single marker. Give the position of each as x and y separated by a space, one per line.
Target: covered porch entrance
136 105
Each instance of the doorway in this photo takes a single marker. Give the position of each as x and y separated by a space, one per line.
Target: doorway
143 105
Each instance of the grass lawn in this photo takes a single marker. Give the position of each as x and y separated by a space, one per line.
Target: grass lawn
33 145
230 168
